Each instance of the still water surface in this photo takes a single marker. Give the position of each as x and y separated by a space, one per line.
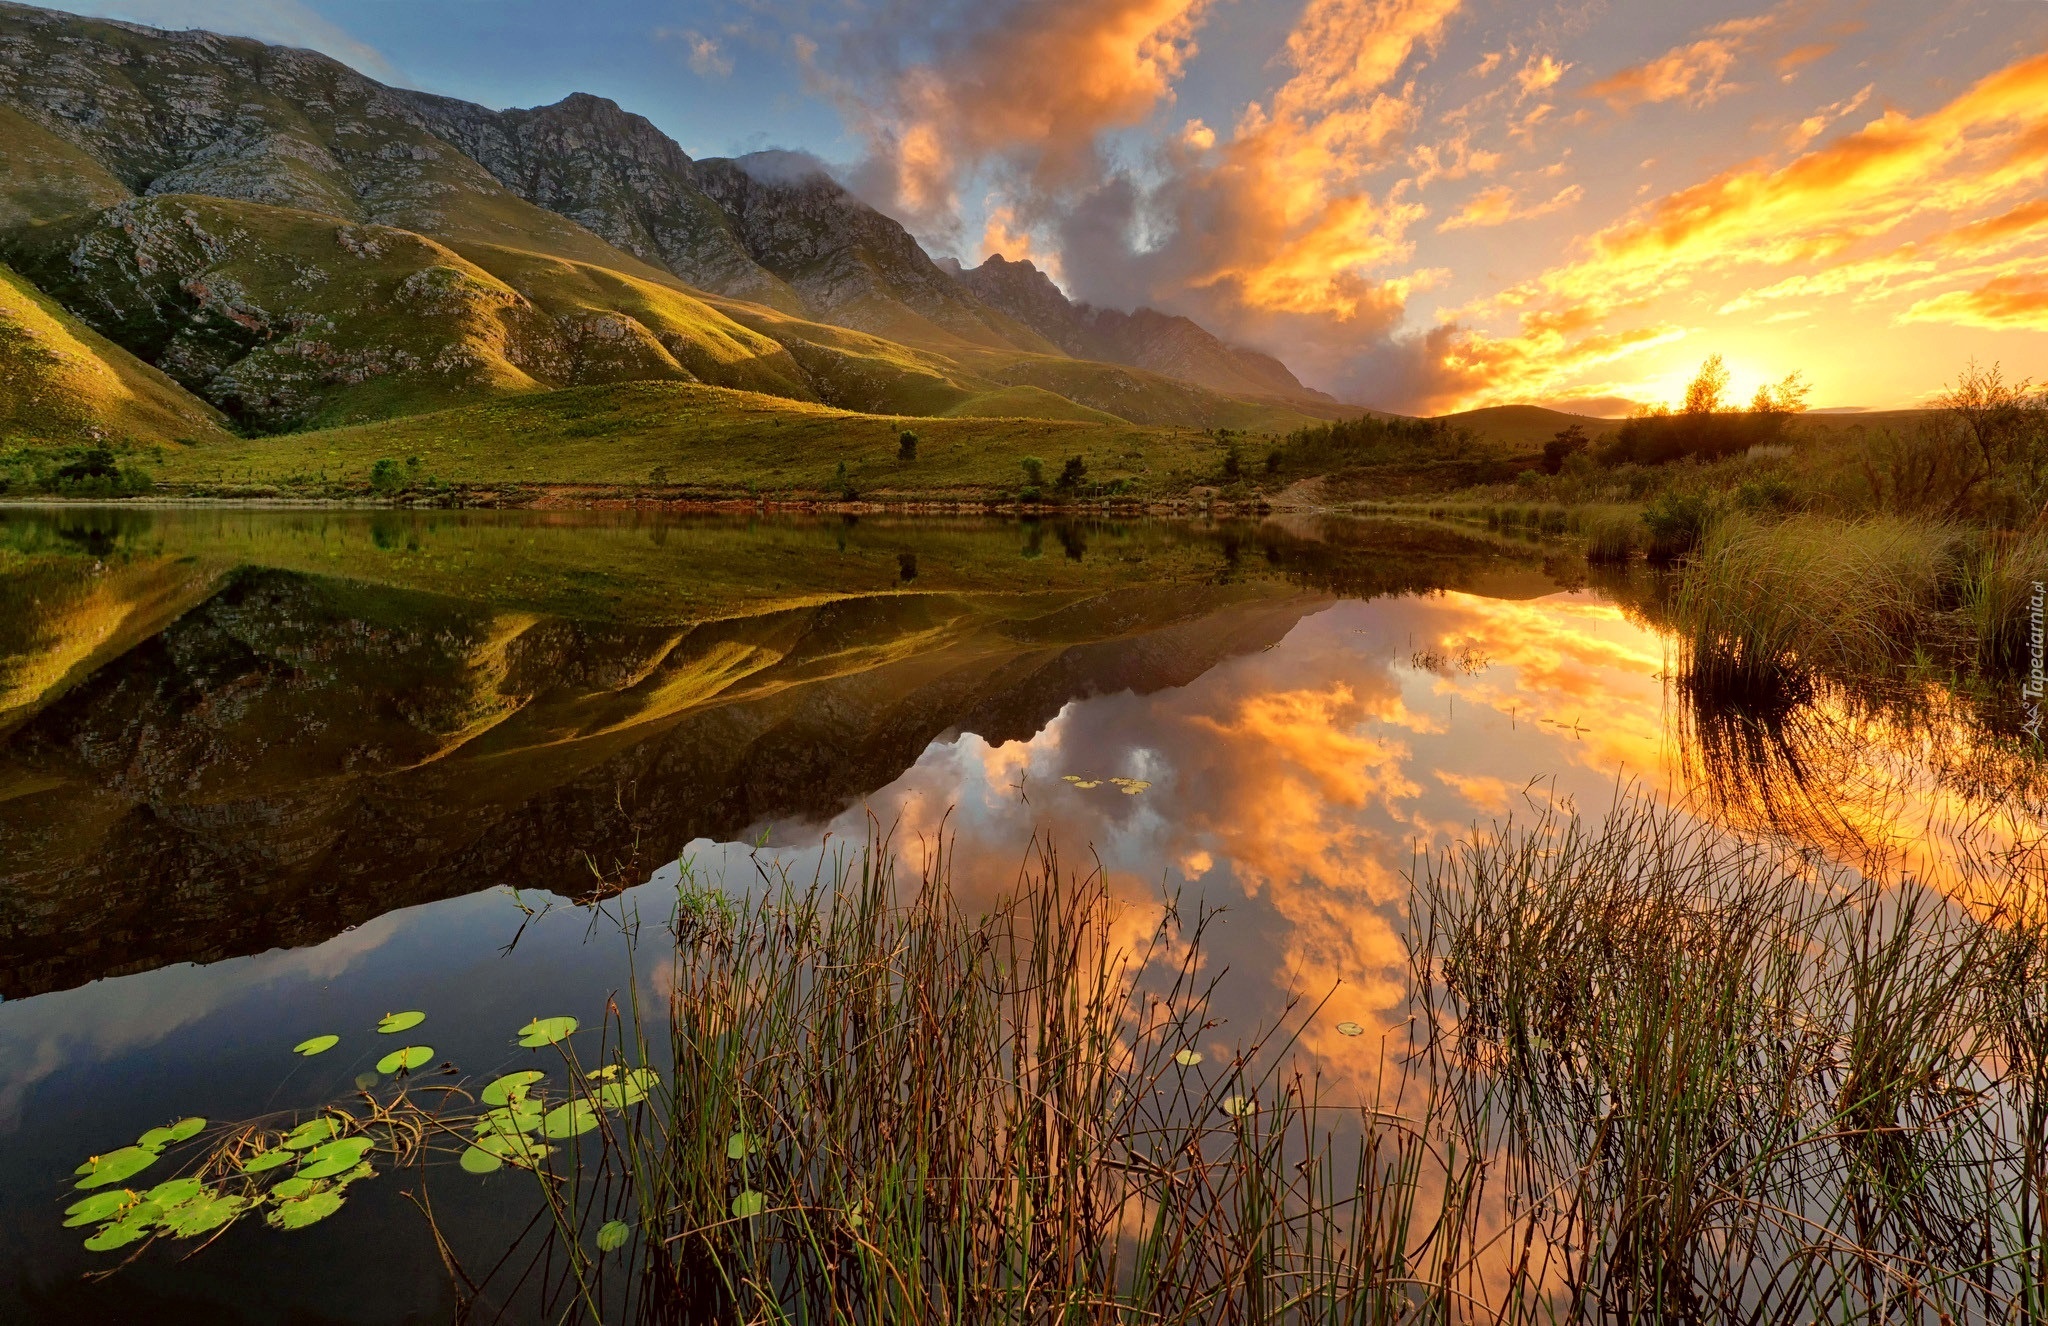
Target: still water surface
265 775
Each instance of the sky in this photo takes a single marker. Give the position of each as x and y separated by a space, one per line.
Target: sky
1423 205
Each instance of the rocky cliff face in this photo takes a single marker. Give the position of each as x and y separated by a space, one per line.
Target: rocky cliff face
619 176
846 259
1162 342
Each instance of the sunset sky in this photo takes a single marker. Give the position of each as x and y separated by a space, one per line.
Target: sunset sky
1418 204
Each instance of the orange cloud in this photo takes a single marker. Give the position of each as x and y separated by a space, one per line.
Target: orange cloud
2018 301
1045 81
1499 205
1540 73
1696 72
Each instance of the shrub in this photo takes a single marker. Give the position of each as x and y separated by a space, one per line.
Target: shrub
1034 471
1233 462
1072 474
906 446
387 476
1677 522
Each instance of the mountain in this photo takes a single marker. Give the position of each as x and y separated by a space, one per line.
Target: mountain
296 245
1162 342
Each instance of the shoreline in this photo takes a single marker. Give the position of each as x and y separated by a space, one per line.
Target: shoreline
582 498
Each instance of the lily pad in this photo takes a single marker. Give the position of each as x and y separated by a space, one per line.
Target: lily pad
312 1133
396 1022
366 1079
523 1117
204 1215
117 1235
1130 787
645 1078
570 1120
1350 1029
1237 1107
612 1235
513 1147
156 1139
604 1074
408 1058
304 1211
116 1166
1083 783
331 1159
1188 1058
264 1160
316 1045
360 1172
546 1031
479 1161
100 1206
512 1086
620 1095
749 1204
285 1190
174 1191
739 1146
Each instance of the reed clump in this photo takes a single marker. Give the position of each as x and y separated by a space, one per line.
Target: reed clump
887 1110
1720 1083
1762 600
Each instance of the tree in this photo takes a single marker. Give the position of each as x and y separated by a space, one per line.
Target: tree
387 476
1567 442
1703 394
906 446
1072 474
1788 396
1034 471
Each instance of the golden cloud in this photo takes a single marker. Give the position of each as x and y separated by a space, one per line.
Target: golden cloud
1499 205
1696 72
2017 301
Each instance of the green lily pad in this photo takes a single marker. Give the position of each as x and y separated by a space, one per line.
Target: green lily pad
326 1161
1350 1029
512 1086
156 1139
360 1172
1188 1058
304 1211
523 1117
570 1120
174 1191
479 1161
1237 1107
645 1078
612 1235
366 1079
285 1190
312 1133
264 1160
204 1215
739 1146
604 1074
100 1206
408 1058
513 1147
396 1022
749 1203
117 1235
546 1031
116 1166
620 1095
316 1045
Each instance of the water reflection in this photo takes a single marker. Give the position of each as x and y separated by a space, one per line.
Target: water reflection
224 733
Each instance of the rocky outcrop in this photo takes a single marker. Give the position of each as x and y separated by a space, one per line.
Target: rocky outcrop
848 261
619 176
1162 342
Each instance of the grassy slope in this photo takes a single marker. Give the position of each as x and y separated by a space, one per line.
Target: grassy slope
709 438
61 382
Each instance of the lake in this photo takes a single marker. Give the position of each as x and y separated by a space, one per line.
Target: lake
269 774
